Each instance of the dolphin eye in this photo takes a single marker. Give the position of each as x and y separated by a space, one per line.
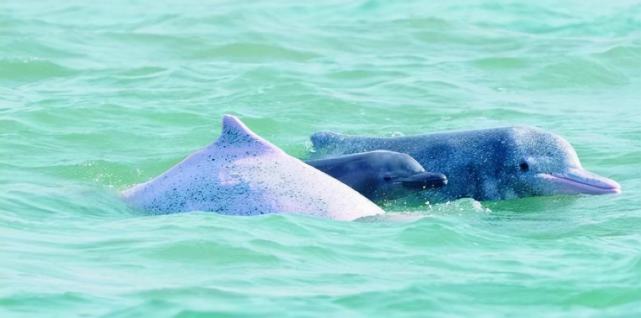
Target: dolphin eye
524 166
387 178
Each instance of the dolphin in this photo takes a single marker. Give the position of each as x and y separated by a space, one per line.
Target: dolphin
381 175
243 174
488 164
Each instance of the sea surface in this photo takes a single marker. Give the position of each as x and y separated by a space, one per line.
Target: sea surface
98 95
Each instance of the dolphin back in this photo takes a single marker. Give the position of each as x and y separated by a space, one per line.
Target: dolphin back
243 174
327 143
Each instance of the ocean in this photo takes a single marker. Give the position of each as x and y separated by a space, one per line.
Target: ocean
98 96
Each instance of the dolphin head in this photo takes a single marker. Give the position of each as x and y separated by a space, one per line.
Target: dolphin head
542 163
399 175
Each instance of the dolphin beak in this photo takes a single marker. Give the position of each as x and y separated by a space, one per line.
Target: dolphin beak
424 180
576 181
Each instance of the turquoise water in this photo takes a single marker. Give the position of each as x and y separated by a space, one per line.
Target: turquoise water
96 97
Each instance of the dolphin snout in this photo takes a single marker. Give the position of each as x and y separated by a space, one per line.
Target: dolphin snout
575 181
424 180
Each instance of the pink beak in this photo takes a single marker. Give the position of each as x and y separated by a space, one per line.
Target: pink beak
577 181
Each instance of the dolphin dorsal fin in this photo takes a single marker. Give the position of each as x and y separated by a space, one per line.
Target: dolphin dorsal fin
235 132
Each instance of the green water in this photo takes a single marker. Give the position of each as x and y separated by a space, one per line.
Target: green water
96 96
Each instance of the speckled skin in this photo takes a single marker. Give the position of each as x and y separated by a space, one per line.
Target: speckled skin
488 164
243 174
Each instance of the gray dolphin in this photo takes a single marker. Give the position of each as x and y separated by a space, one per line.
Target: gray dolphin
488 164
381 174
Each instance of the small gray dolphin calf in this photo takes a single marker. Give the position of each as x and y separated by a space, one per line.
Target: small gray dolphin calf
243 174
488 164
381 175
